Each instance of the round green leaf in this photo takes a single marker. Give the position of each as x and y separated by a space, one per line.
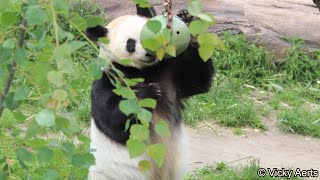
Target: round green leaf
83 160
46 118
144 115
60 95
136 147
8 19
24 155
148 103
50 175
144 166
198 27
162 128
154 26
44 154
156 152
139 132
128 106
56 78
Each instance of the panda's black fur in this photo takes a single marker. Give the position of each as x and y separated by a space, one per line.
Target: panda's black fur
169 82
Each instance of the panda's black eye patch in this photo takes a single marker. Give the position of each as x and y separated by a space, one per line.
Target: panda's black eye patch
131 45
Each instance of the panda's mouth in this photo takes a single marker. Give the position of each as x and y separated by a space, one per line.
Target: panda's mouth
148 61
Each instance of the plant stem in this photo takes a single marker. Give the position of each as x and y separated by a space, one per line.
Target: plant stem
22 34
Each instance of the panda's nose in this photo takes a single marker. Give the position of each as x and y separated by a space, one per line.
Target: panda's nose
148 55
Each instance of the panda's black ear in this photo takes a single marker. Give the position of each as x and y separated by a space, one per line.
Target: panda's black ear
94 33
146 12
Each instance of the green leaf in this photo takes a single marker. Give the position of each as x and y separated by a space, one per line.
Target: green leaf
206 51
24 155
83 160
60 95
127 125
8 44
21 93
164 37
5 55
194 7
68 149
157 153
21 56
46 118
8 19
148 103
93 21
50 175
198 27
154 26
151 44
125 92
79 22
144 115
125 61
19 117
44 154
171 50
61 6
160 53
128 106
4 175
104 40
40 75
10 103
65 66
162 128
77 45
139 132
35 15
136 147
63 51
4 5
56 78
62 123
207 17
96 67
144 166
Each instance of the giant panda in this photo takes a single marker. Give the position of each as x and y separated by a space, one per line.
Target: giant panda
169 82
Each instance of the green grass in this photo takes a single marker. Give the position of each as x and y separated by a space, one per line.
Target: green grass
224 105
300 121
221 171
291 83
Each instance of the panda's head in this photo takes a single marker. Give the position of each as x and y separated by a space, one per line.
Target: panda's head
123 34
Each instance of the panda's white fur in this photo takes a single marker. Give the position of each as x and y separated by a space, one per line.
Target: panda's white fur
114 163
120 30
112 158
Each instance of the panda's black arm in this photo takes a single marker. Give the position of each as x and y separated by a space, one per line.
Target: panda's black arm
192 75
105 108
106 113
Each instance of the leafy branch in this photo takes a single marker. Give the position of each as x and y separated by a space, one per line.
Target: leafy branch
13 68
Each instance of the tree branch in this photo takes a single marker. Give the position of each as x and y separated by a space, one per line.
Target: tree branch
22 34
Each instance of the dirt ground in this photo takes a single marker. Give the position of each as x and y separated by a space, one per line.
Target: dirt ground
272 148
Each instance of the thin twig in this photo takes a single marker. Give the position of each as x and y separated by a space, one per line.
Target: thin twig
55 24
13 68
211 127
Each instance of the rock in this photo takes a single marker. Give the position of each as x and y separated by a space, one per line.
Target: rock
267 22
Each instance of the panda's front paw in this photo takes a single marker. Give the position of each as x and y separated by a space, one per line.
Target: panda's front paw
184 15
151 90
